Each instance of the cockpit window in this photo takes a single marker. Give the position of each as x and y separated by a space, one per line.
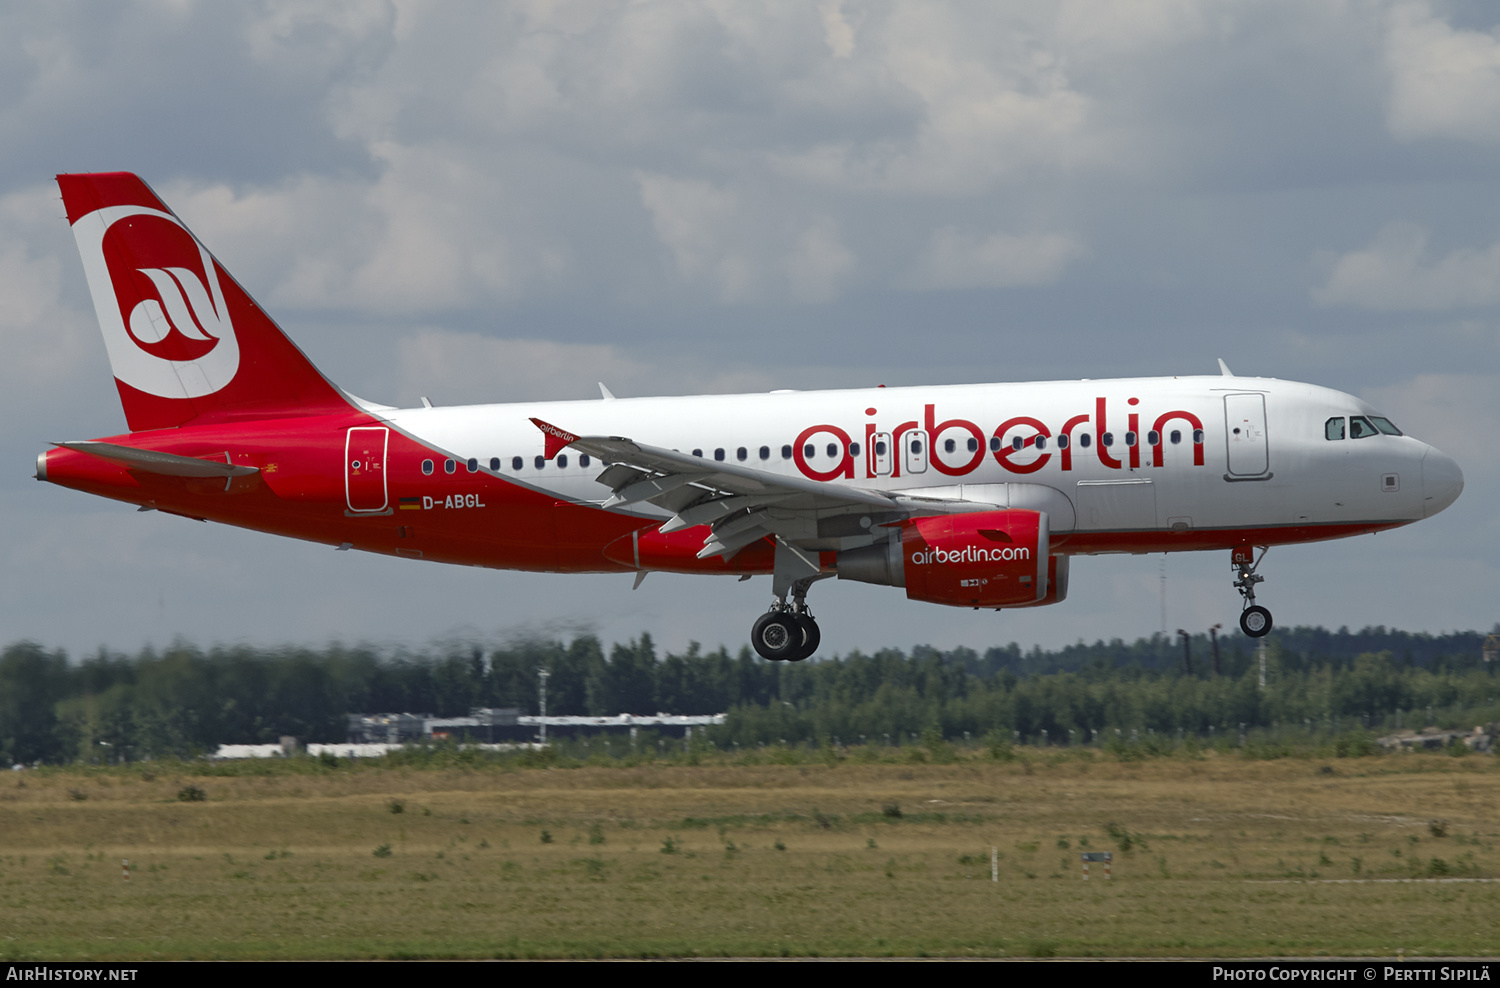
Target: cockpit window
1361 428
1334 428
1385 425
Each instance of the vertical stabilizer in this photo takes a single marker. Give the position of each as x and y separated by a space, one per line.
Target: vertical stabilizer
185 341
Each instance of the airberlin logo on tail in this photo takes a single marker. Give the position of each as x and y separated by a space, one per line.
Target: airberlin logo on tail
157 295
188 329
970 554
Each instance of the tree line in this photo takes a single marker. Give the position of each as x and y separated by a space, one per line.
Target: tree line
185 700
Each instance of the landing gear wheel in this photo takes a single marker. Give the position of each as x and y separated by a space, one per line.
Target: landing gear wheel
811 636
777 635
1256 622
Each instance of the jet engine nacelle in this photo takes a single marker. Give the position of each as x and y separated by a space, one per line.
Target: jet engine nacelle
1057 582
979 559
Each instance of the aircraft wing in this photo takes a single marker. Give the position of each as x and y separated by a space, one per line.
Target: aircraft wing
741 504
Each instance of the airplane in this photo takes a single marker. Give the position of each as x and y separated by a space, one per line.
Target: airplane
964 495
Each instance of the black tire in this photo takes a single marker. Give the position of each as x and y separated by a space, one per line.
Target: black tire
776 635
811 637
1256 622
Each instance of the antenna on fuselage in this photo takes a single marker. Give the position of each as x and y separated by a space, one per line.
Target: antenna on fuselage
1224 368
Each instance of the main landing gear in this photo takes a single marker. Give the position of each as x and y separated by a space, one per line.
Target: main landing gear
788 631
1255 620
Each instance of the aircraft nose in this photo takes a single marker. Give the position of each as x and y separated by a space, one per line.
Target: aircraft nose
1442 481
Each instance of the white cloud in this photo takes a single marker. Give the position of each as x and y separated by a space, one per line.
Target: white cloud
988 102
1444 82
43 337
740 249
837 30
430 234
700 225
819 263
954 259
1394 273
456 368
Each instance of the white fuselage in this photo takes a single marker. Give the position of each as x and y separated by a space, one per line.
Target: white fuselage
1266 460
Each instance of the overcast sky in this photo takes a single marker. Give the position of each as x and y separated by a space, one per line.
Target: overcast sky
497 201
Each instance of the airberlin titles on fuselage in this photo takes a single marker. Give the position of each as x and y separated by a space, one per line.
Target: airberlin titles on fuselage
1025 433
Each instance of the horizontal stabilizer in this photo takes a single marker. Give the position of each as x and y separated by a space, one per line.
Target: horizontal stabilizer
151 461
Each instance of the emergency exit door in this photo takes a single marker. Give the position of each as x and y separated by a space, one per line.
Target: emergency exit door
364 468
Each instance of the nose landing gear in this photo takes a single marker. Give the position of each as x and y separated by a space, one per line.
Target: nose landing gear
1255 621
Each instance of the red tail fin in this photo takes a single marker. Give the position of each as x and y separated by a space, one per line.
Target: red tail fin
185 340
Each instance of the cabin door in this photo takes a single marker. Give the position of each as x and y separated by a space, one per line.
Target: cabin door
364 468
1245 432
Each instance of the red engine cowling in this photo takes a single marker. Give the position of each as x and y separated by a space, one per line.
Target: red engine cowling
1057 582
983 559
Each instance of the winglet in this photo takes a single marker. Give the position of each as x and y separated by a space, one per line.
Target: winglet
557 439
1224 368
605 393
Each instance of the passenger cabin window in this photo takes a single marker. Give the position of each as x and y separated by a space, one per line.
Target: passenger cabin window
516 463
1041 442
472 466
1153 438
854 449
786 452
833 450
809 451
742 453
1084 440
697 452
973 444
449 466
427 467
1108 439
1176 436
719 453
880 449
1016 443
495 464
1129 439
1361 427
583 460
994 444
1334 428
949 445
1197 435
541 461
1062 441
765 452
562 459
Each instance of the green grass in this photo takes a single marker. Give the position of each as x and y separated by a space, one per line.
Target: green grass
1214 856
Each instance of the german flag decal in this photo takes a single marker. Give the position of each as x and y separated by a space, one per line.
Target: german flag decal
411 504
